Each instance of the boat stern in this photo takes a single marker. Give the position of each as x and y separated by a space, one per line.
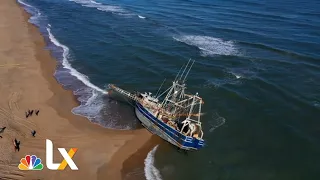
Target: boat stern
191 143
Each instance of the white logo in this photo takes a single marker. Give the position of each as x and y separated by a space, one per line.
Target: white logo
67 157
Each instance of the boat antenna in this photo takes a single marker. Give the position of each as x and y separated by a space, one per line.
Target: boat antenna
188 71
160 87
185 69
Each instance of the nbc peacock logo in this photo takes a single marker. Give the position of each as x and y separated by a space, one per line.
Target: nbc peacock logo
30 163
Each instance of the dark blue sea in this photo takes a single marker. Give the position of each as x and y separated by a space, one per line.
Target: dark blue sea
257 67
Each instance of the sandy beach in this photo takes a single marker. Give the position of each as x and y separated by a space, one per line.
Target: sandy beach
27 82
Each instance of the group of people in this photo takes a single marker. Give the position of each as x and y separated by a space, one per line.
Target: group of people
30 112
16 143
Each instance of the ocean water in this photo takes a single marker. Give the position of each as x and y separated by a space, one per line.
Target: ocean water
257 68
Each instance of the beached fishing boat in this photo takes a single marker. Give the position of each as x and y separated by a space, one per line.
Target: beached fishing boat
173 115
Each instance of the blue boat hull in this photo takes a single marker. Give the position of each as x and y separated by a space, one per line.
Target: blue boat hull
167 133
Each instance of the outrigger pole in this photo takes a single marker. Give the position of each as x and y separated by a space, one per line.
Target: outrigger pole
184 69
160 87
188 71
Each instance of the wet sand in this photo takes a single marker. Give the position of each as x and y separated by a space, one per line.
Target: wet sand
27 82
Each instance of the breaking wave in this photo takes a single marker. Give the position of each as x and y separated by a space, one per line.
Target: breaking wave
25 4
100 6
141 17
83 78
36 14
91 97
151 172
210 46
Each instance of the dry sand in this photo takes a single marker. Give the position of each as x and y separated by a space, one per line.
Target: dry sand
27 82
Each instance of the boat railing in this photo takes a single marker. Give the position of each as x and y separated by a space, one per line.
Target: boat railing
123 92
195 121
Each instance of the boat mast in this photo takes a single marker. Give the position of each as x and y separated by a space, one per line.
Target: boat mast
176 93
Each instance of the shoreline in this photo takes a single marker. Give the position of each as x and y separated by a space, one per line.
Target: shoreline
97 145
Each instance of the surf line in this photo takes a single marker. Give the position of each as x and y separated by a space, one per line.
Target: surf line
150 171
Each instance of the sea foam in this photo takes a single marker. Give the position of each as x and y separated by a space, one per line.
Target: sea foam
36 14
209 46
151 172
90 96
99 6
23 3
141 17
83 78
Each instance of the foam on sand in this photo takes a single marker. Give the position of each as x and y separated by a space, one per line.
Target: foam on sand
36 14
